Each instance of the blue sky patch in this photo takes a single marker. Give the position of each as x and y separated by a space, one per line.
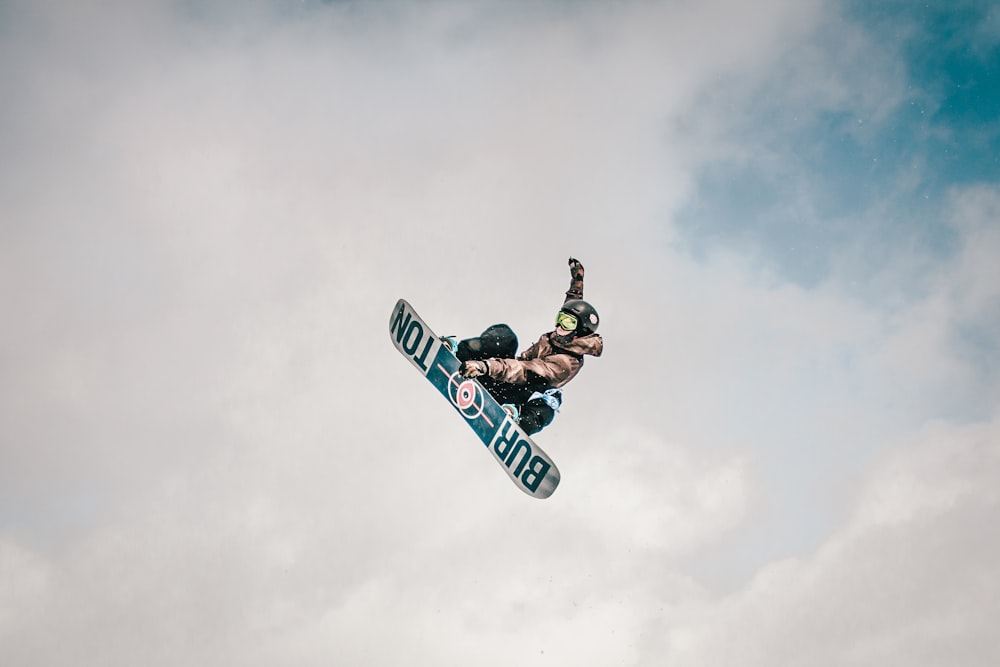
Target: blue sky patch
836 181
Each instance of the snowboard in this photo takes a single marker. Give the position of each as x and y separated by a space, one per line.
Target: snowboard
525 463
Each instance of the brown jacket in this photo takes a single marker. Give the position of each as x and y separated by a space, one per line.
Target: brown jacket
548 361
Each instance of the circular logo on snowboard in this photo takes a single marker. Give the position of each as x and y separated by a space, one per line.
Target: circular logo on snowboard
466 396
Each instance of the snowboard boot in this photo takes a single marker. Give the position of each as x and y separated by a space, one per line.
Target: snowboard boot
450 342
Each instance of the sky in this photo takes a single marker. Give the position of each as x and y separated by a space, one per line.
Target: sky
789 213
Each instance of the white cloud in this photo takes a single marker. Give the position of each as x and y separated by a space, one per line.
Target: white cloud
909 578
633 489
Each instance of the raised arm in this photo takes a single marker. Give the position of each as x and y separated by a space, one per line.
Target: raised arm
575 280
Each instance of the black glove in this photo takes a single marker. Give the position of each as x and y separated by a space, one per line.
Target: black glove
474 368
575 269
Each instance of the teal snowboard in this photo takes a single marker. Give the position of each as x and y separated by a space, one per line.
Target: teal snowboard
525 463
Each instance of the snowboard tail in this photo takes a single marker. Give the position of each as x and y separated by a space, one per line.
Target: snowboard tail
527 465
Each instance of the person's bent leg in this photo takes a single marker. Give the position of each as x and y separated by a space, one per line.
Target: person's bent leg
535 415
497 342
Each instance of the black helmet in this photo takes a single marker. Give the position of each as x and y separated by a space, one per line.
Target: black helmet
586 317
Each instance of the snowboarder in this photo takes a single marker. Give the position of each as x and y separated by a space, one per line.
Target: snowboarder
530 385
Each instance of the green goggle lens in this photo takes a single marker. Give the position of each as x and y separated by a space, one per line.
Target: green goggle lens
566 321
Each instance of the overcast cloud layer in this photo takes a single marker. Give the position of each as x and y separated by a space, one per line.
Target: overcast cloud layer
211 454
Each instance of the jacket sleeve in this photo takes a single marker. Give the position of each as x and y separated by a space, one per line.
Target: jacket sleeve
575 290
555 369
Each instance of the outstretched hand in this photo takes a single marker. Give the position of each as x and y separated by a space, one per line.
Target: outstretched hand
575 268
473 369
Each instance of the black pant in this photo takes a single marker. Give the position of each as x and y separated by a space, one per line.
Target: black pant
500 342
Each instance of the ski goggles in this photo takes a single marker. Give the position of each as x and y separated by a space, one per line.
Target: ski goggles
566 320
